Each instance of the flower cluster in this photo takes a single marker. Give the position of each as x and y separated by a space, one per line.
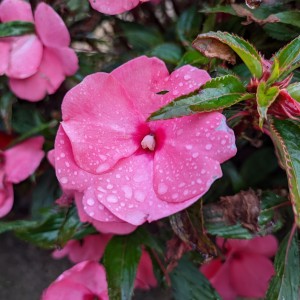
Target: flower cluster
36 63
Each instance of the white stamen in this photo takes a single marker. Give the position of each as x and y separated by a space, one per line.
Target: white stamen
148 142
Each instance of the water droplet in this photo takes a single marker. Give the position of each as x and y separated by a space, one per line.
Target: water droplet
162 188
195 155
203 171
187 77
109 186
223 142
102 167
189 147
91 214
199 181
175 93
208 146
90 202
175 196
62 155
112 198
127 190
139 196
64 180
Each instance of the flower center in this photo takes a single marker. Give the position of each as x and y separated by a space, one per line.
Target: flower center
148 142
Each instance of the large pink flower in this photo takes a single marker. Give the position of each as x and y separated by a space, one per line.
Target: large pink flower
16 164
128 169
36 64
86 280
247 269
113 7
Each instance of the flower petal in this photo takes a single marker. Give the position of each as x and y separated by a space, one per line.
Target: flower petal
23 159
4 54
50 27
145 278
101 129
48 78
6 199
119 227
25 56
84 279
250 275
15 10
142 90
113 7
68 59
266 245
127 192
189 160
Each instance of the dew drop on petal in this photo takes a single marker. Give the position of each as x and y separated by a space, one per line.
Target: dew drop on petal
162 188
187 77
139 196
112 198
127 190
90 202
208 146
64 180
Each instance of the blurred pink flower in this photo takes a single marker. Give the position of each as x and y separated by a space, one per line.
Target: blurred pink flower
145 278
36 64
16 164
113 7
247 268
128 169
86 280
90 247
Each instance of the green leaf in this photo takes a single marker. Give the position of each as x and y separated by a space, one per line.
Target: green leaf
286 135
121 259
223 45
188 25
16 28
281 32
265 97
16 225
216 94
275 72
140 37
194 58
54 229
294 91
285 284
168 52
288 57
189 283
291 17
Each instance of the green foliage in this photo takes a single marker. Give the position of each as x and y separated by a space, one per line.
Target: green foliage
15 28
216 94
285 284
189 283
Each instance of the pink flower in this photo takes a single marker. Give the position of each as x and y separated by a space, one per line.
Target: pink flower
247 268
113 7
16 164
86 280
36 64
90 248
145 278
128 169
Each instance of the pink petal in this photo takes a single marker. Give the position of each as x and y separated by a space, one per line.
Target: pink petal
48 78
127 192
189 160
145 278
106 135
221 282
250 274
6 198
142 90
15 10
23 159
211 268
85 278
90 248
51 157
50 27
118 227
68 59
4 54
113 7
183 81
266 245
25 56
